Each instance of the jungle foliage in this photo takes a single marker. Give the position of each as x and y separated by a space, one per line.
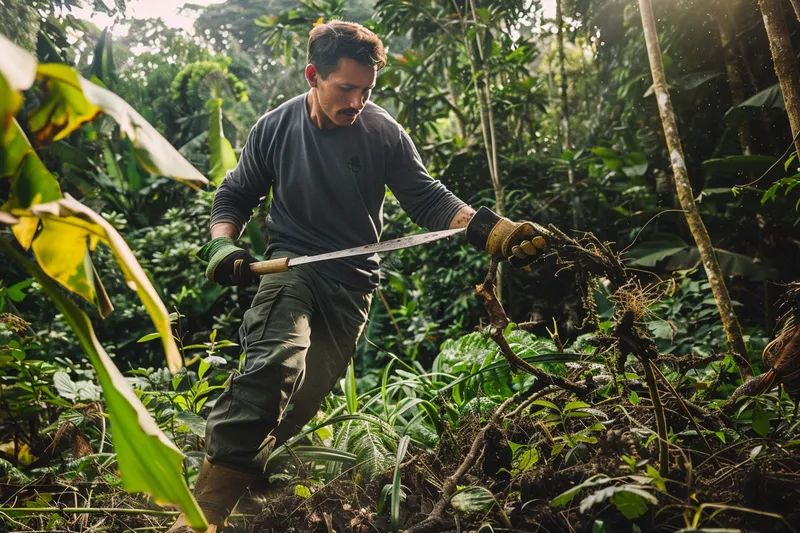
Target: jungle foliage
601 396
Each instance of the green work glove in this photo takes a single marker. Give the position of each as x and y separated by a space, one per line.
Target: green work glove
517 242
227 263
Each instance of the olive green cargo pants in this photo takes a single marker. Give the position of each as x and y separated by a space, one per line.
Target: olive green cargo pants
298 337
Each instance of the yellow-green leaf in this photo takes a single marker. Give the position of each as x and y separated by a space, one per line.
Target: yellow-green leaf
154 151
10 102
64 107
62 251
69 213
31 182
222 157
148 461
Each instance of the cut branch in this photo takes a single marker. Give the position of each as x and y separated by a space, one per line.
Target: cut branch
498 321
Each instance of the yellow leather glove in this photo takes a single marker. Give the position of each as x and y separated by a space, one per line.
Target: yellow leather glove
516 242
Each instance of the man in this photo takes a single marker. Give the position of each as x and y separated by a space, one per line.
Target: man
328 156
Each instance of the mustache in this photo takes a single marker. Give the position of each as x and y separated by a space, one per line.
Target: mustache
349 111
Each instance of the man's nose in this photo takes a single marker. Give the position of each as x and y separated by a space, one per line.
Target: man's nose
358 102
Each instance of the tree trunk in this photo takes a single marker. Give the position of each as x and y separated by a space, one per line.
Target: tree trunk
565 137
684 189
482 94
726 34
784 61
796 6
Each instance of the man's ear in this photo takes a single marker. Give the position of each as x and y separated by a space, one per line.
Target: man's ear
311 75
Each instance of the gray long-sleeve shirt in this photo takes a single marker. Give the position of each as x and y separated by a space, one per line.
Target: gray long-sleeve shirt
328 186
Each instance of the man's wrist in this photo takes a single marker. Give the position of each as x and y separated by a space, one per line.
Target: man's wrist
225 229
462 218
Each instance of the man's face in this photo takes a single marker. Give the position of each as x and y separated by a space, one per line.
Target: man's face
345 92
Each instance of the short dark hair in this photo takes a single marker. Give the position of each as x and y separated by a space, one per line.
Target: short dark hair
336 39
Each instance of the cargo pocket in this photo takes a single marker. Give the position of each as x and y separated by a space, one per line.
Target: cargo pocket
256 318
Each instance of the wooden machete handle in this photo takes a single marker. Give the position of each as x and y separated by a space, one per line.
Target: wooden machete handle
270 267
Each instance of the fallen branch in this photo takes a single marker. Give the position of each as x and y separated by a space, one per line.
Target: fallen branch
498 322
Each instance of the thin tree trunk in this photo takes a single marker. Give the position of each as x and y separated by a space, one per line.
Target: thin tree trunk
784 61
487 119
796 6
565 137
726 34
730 324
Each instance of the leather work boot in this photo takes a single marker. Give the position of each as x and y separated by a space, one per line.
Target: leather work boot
217 490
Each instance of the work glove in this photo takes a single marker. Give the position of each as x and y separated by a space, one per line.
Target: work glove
516 242
227 263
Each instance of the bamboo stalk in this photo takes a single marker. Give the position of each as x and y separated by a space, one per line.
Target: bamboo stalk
730 323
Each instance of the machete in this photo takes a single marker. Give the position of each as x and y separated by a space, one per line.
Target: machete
283 264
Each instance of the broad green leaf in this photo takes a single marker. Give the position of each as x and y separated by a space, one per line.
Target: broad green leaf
148 461
103 61
154 152
693 80
473 500
670 252
63 253
761 421
769 100
64 108
631 500
575 405
566 497
195 423
31 182
222 158
754 165
633 398
545 403
10 102
634 165
651 252
112 165
527 459
602 151
149 337
67 213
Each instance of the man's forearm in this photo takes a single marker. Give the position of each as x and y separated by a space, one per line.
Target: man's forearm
462 218
225 229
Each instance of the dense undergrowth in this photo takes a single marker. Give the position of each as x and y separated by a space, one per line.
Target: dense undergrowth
606 401
570 444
